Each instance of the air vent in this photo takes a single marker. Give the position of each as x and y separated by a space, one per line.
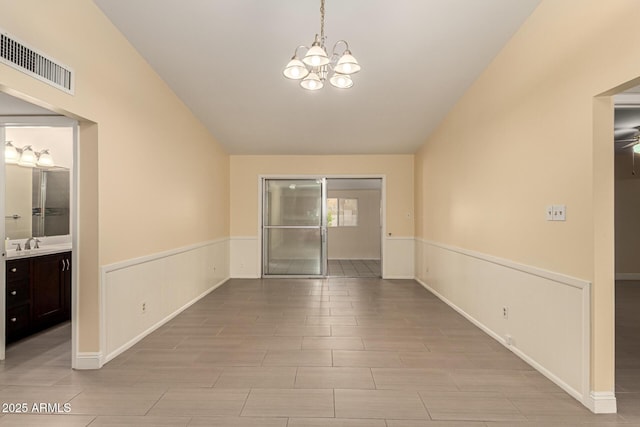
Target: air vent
23 58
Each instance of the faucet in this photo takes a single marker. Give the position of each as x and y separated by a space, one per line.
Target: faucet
27 244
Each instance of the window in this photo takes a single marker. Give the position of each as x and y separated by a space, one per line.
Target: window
342 212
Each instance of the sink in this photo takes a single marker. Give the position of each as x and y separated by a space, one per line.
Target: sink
42 250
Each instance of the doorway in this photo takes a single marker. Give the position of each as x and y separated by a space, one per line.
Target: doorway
39 203
627 233
354 227
322 226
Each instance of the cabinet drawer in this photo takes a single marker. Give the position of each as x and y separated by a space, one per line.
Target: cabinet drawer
18 322
18 292
17 269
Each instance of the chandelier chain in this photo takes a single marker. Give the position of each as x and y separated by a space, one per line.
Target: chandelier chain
322 21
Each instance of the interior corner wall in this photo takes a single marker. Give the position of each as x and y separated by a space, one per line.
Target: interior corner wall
146 202
245 195
627 198
522 138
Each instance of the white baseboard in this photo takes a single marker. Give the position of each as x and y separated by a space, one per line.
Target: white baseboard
143 334
602 402
627 276
87 361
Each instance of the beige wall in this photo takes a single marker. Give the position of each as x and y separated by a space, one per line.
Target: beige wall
361 241
529 133
161 180
398 170
627 214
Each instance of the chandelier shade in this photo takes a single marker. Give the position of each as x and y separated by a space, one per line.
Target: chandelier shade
636 148
312 82
295 69
347 64
316 65
342 81
316 56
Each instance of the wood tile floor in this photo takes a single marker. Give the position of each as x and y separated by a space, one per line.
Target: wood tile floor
301 353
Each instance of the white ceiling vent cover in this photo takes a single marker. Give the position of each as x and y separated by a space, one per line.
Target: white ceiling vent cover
23 58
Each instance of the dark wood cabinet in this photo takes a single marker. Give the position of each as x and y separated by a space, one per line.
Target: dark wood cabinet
38 294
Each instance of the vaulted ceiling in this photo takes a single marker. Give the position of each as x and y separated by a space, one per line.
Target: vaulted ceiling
224 59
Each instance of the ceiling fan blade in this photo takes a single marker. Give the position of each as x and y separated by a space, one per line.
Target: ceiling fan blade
630 144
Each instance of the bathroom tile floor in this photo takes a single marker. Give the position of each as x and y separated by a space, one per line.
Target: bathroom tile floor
286 352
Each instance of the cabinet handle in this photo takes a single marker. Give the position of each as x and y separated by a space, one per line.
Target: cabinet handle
13 292
62 264
13 270
67 264
14 319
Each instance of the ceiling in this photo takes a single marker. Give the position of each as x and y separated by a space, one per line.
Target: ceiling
224 59
11 106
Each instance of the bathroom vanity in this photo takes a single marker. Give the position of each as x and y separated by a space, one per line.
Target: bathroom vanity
38 292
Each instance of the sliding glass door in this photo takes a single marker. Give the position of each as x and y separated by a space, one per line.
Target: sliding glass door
294 227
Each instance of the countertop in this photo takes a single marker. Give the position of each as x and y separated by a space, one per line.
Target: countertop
42 250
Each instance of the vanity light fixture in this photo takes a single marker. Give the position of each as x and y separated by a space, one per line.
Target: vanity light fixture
25 156
11 154
44 158
28 157
316 66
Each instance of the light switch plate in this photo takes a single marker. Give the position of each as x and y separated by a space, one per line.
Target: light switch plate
559 213
549 213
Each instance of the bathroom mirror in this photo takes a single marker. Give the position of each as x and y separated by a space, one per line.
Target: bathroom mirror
37 202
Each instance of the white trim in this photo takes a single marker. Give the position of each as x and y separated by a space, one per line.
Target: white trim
158 255
87 360
602 402
546 274
627 276
76 361
143 334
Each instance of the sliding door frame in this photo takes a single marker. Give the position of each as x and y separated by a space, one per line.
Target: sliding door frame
383 213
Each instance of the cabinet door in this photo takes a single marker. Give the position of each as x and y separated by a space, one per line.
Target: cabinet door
48 293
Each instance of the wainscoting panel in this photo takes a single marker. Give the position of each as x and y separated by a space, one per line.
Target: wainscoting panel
140 295
398 258
245 257
541 316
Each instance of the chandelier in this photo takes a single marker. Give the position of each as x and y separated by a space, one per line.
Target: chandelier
316 66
